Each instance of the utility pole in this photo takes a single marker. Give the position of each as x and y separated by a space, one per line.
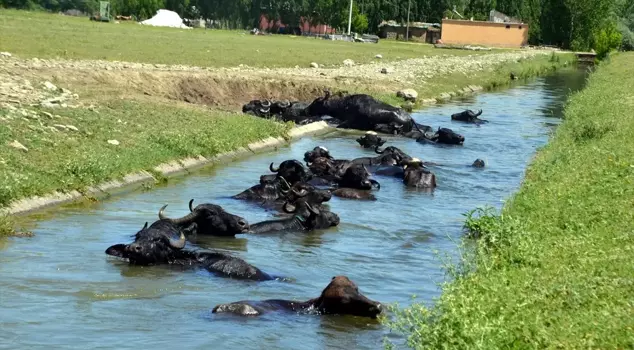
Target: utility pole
350 18
409 4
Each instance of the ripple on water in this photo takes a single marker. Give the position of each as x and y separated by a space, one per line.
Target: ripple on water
62 282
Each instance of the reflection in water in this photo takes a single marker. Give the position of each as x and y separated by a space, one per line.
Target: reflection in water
62 282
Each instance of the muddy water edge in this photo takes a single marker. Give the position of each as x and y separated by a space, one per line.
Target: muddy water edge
60 290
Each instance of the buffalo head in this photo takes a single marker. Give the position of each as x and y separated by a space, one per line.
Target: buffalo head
158 244
448 136
209 219
416 175
292 170
317 152
358 177
342 297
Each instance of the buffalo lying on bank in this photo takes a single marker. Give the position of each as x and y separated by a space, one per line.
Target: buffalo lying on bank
162 243
340 297
468 116
208 219
361 111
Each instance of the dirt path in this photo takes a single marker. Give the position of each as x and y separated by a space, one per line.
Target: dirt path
22 78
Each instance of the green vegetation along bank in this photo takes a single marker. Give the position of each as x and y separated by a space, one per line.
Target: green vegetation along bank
554 268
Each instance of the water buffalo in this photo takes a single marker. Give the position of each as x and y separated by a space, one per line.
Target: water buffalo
360 111
291 170
398 154
208 219
416 175
478 163
370 140
270 188
306 218
340 297
468 116
308 193
296 112
317 152
357 177
259 108
162 243
442 136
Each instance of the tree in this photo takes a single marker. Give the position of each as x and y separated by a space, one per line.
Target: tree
359 23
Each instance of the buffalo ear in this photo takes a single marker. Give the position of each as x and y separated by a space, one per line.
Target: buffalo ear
117 250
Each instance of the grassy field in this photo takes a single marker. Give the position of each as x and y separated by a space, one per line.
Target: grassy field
148 135
42 35
554 269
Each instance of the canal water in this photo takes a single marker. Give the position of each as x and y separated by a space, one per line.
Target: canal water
60 290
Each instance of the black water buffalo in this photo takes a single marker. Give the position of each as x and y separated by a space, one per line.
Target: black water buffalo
356 184
208 219
270 188
416 175
296 112
162 243
259 108
306 218
370 140
340 297
292 170
307 193
317 152
478 163
360 111
397 153
468 116
442 136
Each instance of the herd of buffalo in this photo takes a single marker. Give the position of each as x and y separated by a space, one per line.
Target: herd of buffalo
297 191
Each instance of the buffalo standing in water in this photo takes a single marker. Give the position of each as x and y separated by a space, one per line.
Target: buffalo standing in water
162 243
208 219
340 297
468 116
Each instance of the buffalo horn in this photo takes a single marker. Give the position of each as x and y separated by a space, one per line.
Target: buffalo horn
289 208
177 242
266 104
273 169
374 182
185 219
144 226
312 210
288 186
301 193
190 205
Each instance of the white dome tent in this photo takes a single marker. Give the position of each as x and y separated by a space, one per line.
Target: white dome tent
166 18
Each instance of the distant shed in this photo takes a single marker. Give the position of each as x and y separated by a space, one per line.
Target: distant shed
418 31
487 33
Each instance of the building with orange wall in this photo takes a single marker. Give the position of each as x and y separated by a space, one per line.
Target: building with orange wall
495 34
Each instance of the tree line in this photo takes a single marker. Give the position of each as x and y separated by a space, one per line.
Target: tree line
570 24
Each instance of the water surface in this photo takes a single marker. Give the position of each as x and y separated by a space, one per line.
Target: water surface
60 290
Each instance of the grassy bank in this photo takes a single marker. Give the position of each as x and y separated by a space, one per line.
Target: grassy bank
43 35
554 269
69 149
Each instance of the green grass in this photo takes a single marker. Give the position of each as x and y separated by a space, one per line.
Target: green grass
42 35
555 268
149 135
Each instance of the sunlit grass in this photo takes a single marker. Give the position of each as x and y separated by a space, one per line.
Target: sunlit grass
554 268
